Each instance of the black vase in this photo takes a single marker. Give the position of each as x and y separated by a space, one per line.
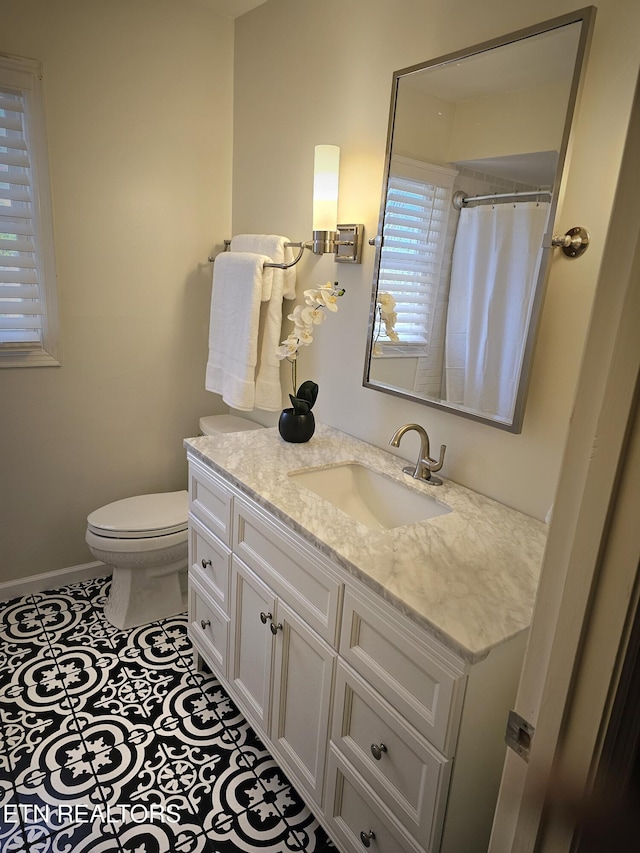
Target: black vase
296 428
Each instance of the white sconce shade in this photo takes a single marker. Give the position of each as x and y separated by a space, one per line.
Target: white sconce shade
326 171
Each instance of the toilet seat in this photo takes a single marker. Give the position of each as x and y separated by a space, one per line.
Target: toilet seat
141 517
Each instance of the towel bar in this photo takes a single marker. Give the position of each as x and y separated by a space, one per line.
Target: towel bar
345 243
301 246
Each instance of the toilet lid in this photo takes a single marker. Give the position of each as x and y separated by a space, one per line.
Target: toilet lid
142 516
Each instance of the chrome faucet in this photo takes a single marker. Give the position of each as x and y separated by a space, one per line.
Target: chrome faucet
425 466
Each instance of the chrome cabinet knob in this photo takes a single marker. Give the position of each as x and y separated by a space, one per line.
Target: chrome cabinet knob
264 617
275 628
205 563
377 749
204 623
367 837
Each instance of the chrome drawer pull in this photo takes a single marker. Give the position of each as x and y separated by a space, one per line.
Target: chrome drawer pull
264 617
377 750
366 837
205 563
275 628
204 623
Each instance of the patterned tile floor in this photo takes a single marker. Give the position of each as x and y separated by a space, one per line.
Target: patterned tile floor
110 741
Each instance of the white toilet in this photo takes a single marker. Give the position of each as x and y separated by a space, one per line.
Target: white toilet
145 541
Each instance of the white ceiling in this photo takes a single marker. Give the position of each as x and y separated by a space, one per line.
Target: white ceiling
230 8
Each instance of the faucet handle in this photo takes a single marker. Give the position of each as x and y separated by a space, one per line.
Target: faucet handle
432 464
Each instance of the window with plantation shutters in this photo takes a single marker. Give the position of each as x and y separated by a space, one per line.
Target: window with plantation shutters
413 248
28 313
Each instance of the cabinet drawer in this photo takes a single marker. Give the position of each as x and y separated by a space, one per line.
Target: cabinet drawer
208 628
406 772
357 819
210 563
210 501
400 663
296 572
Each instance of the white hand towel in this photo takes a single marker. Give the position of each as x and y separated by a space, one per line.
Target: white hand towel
234 324
272 245
268 391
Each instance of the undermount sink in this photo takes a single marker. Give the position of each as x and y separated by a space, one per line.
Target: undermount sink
369 497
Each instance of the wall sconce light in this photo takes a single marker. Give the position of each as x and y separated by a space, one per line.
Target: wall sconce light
345 241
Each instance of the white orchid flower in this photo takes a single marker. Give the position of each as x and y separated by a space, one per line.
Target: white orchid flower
288 348
387 302
297 316
305 336
330 301
305 317
316 316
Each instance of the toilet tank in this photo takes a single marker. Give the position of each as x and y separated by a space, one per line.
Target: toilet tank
223 424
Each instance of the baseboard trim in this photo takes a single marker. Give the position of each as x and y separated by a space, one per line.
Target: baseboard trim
52 580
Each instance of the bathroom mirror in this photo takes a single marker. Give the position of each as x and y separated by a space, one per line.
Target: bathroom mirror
476 146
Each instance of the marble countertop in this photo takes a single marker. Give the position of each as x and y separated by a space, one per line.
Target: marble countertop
469 576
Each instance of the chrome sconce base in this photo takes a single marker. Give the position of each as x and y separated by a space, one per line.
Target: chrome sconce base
345 243
323 242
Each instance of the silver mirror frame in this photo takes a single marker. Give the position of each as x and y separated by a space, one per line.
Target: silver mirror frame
586 18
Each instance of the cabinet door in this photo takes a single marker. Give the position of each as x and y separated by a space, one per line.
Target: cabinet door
302 700
251 644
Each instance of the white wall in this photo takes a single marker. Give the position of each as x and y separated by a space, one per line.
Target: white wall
443 132
509 123
138 97
423 125
323 74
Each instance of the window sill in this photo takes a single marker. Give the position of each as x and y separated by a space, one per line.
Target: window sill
27 358
401 351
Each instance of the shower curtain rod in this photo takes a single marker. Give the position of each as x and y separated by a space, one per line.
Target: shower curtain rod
460 199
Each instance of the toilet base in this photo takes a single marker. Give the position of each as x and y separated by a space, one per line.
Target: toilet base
138 596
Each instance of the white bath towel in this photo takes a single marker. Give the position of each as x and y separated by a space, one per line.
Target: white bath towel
272 245
268 391
237 291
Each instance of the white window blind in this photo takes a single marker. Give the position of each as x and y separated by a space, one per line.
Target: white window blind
28 316
415 230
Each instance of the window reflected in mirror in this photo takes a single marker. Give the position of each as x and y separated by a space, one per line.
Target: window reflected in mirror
474 157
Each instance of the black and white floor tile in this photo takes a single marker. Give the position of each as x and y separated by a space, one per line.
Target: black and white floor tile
110 741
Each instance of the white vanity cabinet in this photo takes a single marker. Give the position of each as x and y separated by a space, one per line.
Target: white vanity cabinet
393 739
267 624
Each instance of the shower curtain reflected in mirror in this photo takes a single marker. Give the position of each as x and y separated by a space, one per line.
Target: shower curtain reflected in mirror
494 270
